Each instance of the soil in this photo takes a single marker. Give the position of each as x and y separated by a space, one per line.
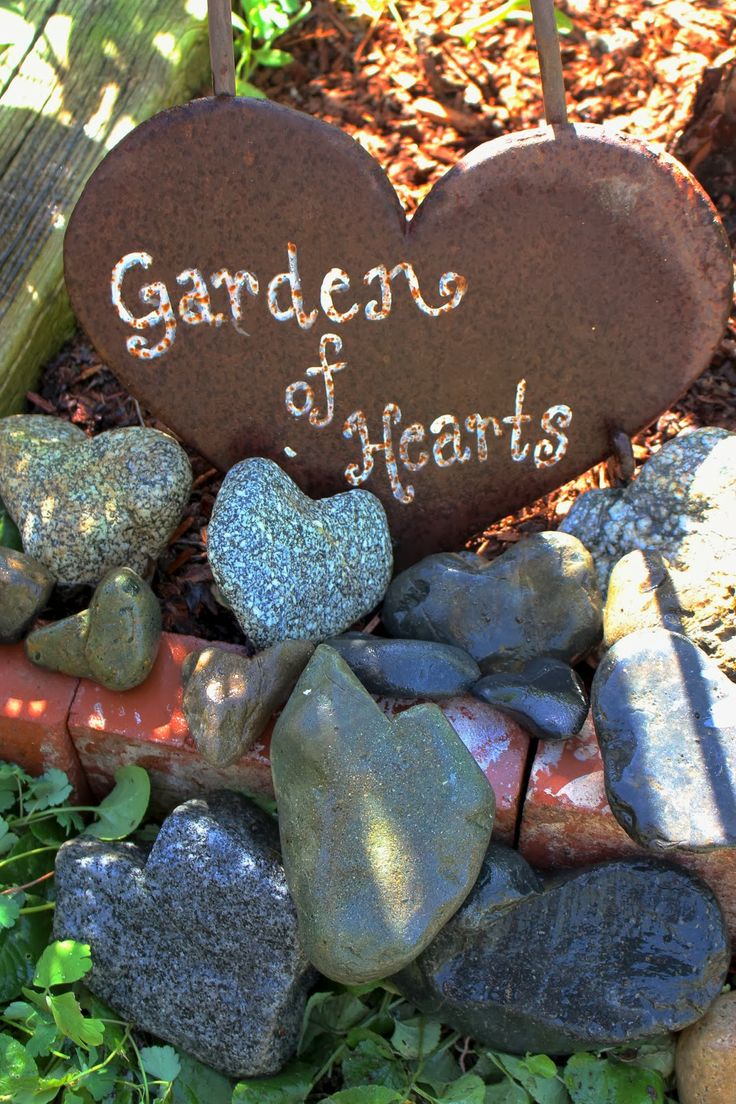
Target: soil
418 97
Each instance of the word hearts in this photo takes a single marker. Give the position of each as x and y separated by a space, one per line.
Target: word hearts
249 274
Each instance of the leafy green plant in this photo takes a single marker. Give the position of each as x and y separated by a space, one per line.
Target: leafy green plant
258 26
469 29
359 1045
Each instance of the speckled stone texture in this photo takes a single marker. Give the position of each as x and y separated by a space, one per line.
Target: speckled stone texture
25 587
621 951
84 506
706 1056
114 642
665 715
407 668
538 598
230 698
196 941
682 505
291 567
544 695
642 595
384 824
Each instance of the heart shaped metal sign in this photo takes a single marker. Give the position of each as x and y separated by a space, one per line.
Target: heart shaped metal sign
249 274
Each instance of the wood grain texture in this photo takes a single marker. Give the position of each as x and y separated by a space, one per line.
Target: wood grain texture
76 77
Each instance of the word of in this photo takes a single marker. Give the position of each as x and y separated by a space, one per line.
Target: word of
448 447
195 305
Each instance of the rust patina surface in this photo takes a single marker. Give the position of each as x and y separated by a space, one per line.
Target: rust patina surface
248 273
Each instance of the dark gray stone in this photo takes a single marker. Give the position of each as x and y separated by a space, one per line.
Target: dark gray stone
683 506
25 587
665 715
114 642
195 941
384 824
229 698
538 598
544 695
406 668
291 567
623 951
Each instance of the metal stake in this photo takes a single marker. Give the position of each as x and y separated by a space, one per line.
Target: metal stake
550 61
222 58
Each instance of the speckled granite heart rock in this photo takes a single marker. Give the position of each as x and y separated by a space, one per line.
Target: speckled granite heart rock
195 941
25 587
229 698
683 506
114 642
665 716
384 824
622 951
544 695
539 598
84 506
407 668
294 568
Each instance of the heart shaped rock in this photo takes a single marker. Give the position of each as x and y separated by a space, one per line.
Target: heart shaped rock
85 506
665 716
377 868
291 568
539 598
552 285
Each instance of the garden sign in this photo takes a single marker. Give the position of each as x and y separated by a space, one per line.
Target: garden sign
249 274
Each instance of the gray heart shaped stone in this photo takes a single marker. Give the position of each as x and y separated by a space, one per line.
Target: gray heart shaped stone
294 568
84 506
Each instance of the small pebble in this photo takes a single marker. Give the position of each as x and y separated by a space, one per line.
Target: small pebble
545 696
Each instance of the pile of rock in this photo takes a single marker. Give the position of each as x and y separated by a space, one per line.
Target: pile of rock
384 866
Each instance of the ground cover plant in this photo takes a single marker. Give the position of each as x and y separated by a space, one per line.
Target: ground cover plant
359 1045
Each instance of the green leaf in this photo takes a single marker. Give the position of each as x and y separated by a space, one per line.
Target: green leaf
416 1037
291 1086
61 963
272 58
19 949
51 788
246 88
10 906
9 535
198 1084
332 1014
365 1094
538 1075
507 1092
592 1080
101 1082
83 1030
161 1062
18 1071
24 870
654 1054
123 809
439 1070
468 1089
48 832
373 1062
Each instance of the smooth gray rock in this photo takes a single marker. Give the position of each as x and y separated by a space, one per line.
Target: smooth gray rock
84 506
229 698
683 506
291 567
25 587
625 950
665 716
544 695
384 824
538 598
195 941
406 668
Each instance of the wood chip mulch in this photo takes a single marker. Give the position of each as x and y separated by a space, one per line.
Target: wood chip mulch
417 97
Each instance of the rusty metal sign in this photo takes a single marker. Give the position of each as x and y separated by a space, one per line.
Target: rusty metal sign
248 273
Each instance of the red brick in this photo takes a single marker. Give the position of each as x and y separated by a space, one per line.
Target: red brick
498 745
34 707
146 726
567 821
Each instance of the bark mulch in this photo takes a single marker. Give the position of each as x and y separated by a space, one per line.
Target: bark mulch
418 97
